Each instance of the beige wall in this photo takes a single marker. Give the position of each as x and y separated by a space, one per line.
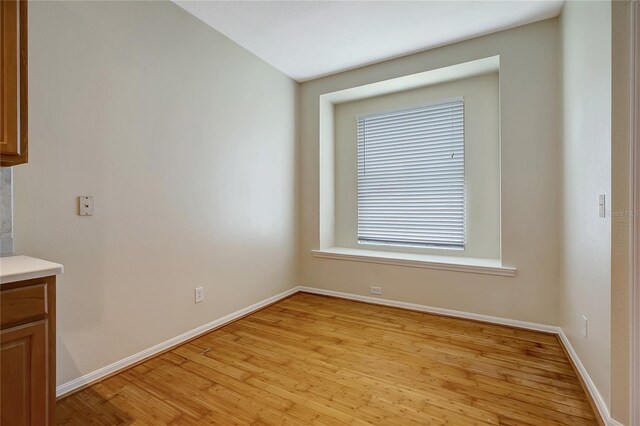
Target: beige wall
482 162
151 120
585 243
529 138
187 143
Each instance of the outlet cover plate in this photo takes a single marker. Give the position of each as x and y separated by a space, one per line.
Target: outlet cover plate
85 205
198 294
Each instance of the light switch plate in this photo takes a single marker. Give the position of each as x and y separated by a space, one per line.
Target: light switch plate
602 212
198 294
86 205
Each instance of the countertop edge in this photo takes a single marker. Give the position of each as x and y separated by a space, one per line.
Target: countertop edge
31 275
22 268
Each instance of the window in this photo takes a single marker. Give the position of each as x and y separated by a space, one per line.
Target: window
411 176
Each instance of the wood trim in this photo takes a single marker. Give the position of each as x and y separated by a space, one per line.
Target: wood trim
24 82
51 348
8 74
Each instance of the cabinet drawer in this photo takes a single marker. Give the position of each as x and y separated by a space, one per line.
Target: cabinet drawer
23 303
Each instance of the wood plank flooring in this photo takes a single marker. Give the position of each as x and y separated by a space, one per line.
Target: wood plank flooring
324 361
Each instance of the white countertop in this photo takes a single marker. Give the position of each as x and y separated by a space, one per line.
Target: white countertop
19 268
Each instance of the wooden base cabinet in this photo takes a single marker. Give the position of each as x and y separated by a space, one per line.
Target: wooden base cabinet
27 352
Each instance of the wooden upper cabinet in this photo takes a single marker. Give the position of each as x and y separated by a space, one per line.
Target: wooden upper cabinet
13 82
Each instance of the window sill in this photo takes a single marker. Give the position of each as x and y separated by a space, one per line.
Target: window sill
445 263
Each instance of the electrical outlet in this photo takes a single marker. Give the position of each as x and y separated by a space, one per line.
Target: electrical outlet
376 290
585 328
199 294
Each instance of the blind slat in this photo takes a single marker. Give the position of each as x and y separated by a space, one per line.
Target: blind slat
438 125
411 176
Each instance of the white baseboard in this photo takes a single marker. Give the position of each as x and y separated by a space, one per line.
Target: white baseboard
126 362
432 310
81 381
591 387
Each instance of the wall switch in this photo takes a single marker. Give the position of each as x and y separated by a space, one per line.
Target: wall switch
199 294
85 205
602 205
376 290
585 328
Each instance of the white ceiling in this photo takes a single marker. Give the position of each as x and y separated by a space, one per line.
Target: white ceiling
310 39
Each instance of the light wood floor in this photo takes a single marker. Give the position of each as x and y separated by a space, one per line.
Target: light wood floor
318 360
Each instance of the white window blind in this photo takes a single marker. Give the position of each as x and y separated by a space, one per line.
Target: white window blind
411 176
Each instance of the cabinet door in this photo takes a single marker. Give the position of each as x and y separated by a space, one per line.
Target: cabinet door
13 82
23 389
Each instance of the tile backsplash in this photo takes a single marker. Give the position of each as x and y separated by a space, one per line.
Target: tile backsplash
6 211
